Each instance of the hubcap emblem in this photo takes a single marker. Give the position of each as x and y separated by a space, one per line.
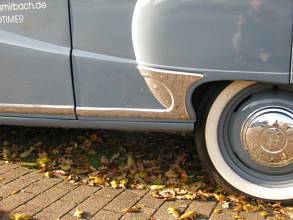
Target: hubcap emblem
267 136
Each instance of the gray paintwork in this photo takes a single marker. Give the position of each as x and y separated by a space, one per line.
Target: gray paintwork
104 65
108 36
204 36
35 57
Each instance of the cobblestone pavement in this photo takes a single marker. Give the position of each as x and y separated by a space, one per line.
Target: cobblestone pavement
28 191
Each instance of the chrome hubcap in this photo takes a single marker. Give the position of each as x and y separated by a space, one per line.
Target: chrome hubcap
267 135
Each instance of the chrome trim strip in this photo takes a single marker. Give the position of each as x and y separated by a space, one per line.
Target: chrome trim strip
37 109
168 87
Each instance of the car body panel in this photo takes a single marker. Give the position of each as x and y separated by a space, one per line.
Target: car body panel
104 66
134 61
225 40
35 60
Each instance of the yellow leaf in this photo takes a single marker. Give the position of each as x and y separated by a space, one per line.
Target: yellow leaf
43 161
188 215
157 187
114 184
123 183
264 214
217 211
136 208
131 161
78 213
48 174
29 165
20 216
97 180
174 211
250 208
65 167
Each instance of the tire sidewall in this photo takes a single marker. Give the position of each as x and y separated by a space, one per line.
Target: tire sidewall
218 161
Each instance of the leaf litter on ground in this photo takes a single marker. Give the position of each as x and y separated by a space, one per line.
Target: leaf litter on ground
164 163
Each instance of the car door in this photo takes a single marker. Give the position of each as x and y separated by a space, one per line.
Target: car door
106 77
35 66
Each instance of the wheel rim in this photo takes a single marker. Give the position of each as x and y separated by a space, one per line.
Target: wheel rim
256 160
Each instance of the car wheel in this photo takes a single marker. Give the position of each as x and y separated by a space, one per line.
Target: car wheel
245 139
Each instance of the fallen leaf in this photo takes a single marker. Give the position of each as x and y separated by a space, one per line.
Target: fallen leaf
157 187
48 174
250 208
217 211
78 213
123 183
29 165
174 211
226 205
134 209
97 180
188 215
131 162
114 184
59 173
264 214
20 216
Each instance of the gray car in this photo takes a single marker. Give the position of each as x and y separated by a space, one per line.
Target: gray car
220 68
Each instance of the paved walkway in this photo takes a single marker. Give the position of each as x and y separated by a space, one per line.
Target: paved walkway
28 191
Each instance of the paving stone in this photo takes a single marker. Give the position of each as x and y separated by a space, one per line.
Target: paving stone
203 208
139 192
15 200
251 215
144 214
149 201
12 175
42 185
109 192
7 167
66 185
49 197
12 187
28 209
69 217
59 207
79 194
46 215
106 215
162 212
124 200
92 205
223 215
32 176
